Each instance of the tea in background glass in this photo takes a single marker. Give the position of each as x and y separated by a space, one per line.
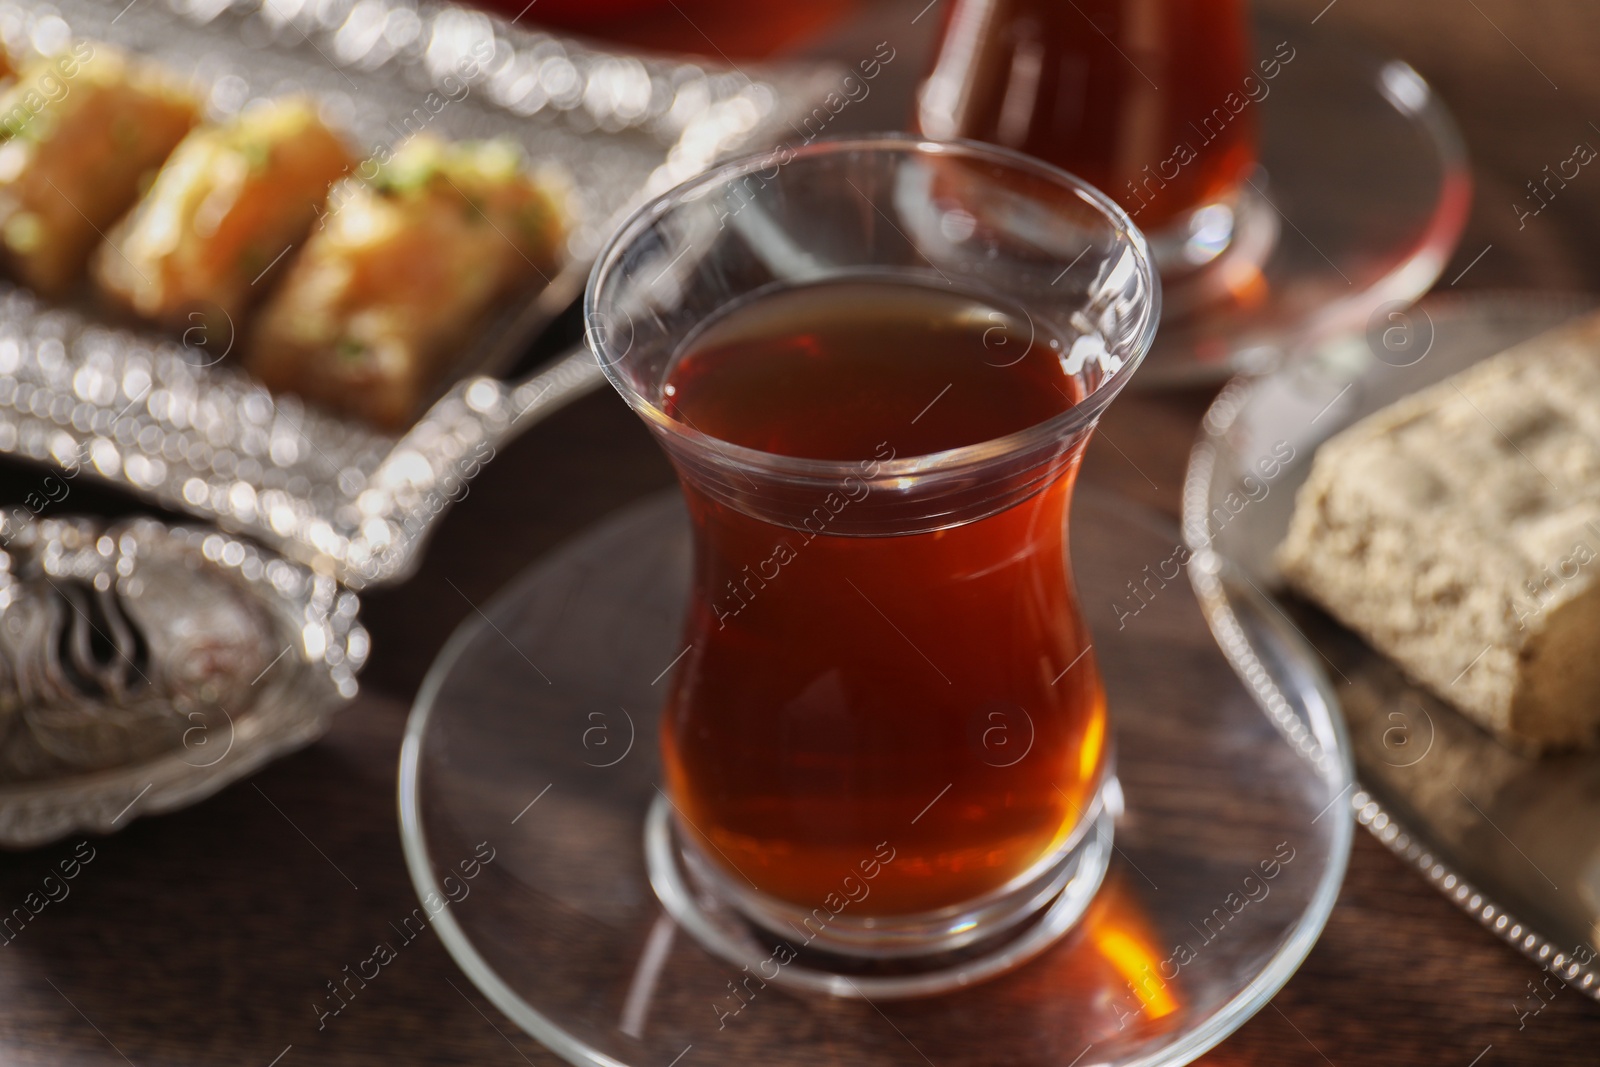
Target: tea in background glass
1153 101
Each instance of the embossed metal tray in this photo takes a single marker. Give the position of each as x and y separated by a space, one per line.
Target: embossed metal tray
1512 840
180 425
145 666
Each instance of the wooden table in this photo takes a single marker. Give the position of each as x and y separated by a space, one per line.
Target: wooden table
205 937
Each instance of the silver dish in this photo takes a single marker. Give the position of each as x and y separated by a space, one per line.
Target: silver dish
1513 840
144 666
178 424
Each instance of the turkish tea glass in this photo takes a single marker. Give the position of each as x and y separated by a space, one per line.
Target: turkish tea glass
886 736
1155 101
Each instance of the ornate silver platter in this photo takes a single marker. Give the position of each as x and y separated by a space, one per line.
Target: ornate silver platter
1513 840
143 667
176 423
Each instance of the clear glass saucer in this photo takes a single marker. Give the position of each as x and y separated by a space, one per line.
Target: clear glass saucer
529 768
1362 193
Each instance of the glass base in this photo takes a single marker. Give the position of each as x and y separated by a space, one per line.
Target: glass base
524 799
891 957
1186 246
1203 257
1367 186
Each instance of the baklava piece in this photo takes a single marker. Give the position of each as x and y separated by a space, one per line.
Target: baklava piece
403 270
227 208
81 134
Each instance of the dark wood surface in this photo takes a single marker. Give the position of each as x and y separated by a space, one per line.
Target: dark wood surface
205 937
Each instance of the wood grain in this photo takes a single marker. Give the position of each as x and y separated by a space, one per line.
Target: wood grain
205 937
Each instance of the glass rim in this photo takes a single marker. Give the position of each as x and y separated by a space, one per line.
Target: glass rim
1074 420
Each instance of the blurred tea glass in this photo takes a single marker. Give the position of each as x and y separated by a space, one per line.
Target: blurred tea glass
875 365
719 30
1153 101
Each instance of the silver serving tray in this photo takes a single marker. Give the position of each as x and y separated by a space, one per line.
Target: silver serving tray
1513 840
178 424
240 657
